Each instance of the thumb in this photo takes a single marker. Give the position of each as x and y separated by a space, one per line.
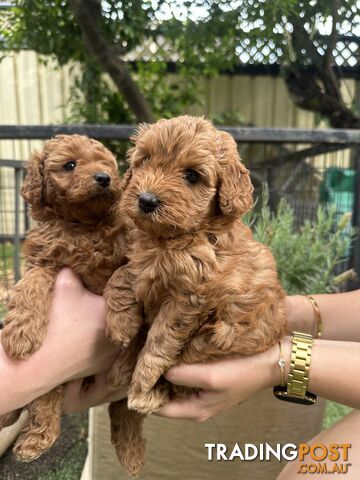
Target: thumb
195 375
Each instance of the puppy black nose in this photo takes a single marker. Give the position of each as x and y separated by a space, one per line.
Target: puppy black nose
102 179
148 202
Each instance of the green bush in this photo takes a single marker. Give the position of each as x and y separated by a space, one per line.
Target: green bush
306 257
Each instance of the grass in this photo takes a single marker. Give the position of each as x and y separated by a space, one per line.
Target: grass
6 256
333 413
6 273
65 461
70 466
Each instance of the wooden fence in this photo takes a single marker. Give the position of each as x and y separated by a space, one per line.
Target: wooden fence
32 92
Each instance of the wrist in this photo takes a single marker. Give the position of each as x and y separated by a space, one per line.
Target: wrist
270 363
23 380
302 316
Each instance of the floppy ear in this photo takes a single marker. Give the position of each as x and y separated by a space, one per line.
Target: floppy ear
140 130
126 178
130 154
235 190
32 189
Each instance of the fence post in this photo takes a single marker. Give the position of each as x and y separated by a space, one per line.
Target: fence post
18 179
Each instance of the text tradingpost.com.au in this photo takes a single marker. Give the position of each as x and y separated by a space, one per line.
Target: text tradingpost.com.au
313 458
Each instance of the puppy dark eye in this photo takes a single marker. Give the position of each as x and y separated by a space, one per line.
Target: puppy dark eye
191 175
69 166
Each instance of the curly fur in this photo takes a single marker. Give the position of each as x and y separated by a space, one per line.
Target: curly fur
79 228
196 279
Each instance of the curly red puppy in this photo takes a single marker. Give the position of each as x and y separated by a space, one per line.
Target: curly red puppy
205 287
72 186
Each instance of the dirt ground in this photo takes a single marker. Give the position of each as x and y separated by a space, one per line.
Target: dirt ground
64 461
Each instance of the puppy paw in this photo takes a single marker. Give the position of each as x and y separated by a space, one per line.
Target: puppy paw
119 329
132 457
30 446
18 342
118 337
149 402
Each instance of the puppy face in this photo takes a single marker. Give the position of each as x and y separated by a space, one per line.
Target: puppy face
74 177
184 176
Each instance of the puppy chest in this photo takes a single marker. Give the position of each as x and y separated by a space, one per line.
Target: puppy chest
93 260
95 263
169 276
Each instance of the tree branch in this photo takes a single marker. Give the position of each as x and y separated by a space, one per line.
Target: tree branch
317 87
301 40
107 55
303 86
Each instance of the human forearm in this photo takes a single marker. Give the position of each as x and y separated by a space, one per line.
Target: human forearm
339 312
333 370
21 381
225 383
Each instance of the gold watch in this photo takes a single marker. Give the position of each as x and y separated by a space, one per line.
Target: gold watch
296 389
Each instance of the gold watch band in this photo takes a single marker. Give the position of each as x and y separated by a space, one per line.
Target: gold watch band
298 377
299 364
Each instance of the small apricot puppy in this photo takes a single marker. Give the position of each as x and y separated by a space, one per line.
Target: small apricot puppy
204 288
72 186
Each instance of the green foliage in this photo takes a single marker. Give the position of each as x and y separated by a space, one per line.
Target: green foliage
94 99
204 35
305 258
49 28
210 40
228 118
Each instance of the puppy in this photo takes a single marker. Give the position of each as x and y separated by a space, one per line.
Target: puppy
72 186
204 286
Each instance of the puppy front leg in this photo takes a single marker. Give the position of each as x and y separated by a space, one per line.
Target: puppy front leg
170 330
28 313
42 427
123 367
124 318
246 322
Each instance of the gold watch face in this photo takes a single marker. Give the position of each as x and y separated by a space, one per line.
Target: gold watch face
281 393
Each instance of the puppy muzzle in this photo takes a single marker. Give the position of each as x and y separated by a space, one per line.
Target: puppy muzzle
102 179
148 202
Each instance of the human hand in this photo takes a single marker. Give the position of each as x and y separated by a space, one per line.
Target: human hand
79 397
222 384
75 345
77 317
